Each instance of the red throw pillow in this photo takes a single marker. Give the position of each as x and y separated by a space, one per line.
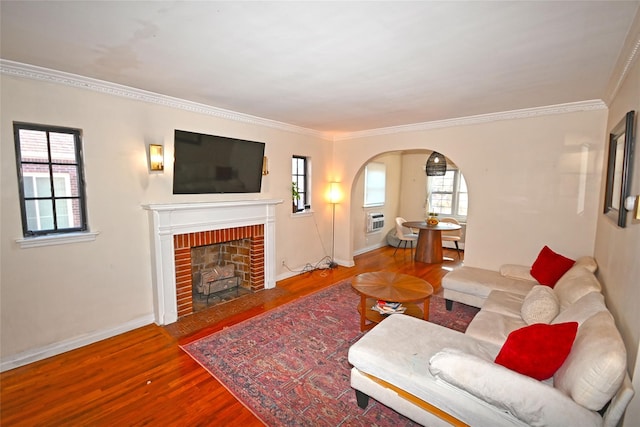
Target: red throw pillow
550 266
538 350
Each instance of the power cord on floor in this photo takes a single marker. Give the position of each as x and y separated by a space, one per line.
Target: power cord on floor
323 265
326 263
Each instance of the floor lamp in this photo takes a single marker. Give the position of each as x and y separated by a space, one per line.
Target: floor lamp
335 195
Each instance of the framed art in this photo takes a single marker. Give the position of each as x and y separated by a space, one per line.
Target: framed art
619 165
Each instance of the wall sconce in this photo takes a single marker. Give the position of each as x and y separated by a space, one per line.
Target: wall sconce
265 166
436 164
156 158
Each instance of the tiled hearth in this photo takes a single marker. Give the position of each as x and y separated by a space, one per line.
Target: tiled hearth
175 228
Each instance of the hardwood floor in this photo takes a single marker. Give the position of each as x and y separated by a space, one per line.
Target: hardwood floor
142 377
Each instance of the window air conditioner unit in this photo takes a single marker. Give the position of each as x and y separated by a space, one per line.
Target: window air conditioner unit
375 221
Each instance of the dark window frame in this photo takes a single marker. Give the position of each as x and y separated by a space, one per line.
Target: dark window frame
50 165
304 189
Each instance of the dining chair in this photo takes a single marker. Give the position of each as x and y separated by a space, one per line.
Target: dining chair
405 234
454 235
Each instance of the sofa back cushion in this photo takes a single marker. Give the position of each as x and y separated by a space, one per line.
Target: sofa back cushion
583 309
596 365
574 284
587 262
515 271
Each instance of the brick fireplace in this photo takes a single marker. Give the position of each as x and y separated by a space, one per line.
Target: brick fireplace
175 228
183 243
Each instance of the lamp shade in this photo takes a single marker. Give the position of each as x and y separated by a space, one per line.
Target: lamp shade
436 164
335 193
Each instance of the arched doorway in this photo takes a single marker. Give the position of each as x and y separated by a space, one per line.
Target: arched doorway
409 194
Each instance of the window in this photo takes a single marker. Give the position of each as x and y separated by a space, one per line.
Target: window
300 172
50 177
448 194
375 178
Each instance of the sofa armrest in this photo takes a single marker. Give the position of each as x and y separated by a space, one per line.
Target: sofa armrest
533 402
619 403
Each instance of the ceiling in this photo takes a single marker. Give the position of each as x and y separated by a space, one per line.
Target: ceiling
333 67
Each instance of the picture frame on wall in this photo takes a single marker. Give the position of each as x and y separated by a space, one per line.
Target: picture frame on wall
619 169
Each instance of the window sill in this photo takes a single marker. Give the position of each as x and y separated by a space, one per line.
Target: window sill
306 212
58 239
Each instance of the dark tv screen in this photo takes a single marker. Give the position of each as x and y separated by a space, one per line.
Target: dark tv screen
216 164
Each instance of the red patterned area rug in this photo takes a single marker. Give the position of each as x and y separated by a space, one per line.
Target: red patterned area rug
289 366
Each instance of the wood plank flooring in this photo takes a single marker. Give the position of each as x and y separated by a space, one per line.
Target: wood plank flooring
142 377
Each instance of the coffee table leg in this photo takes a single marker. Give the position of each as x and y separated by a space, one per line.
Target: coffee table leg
363 312
425 310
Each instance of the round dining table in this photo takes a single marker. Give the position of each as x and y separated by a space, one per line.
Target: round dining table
429 246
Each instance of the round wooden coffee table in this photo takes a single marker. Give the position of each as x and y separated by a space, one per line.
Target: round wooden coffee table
390 287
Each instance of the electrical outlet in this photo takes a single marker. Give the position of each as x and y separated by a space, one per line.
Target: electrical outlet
284 262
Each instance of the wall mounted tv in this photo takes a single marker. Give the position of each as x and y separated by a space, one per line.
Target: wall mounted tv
206 164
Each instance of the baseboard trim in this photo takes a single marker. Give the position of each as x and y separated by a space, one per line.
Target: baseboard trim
369 249
54 349
286 275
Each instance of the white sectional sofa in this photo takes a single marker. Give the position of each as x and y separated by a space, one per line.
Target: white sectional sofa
440 377
472 286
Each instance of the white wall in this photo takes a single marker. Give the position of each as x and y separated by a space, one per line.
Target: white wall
413 185
363 241
618 249
524 179
70 293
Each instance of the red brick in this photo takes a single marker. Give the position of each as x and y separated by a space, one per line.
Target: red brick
245 249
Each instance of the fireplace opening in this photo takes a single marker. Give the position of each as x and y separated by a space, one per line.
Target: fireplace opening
220 272
240 240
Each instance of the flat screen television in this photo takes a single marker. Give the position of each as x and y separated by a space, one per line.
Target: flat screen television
206 164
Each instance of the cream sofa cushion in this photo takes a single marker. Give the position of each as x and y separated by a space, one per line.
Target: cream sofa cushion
531 401
493 327
541 305
523 272
597 364
480 282
506 303
587 262
574 284
413 341
583 309
515 271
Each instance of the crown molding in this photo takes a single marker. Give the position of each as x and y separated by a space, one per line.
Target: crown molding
33 72
630 51
73 80
594 104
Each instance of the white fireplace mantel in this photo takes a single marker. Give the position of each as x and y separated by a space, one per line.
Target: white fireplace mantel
168 220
